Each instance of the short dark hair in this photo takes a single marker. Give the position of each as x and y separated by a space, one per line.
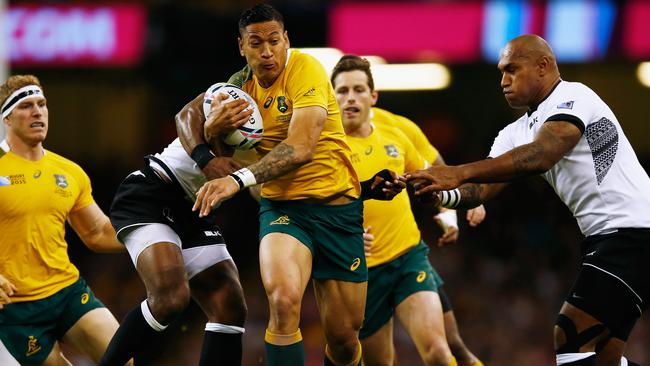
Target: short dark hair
352 63
258 14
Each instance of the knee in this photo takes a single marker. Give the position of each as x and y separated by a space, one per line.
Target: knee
437 353
285 303
169 301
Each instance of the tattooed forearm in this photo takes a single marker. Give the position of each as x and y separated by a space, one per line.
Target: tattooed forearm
278 162
528 159
471 195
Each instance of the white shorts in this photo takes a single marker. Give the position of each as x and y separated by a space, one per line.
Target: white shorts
196 259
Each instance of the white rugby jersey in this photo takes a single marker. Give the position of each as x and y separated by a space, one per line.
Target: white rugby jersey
601 180
189 175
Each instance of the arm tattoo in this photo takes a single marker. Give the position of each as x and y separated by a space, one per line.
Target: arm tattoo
527 159
470 195
278 162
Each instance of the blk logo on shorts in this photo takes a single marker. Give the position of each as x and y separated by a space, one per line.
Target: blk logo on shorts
282 220
32 346
355 264
421 276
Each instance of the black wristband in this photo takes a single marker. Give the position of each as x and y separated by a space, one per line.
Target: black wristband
238 180
202 155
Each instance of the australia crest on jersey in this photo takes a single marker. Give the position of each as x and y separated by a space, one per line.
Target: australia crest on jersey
61 180
391 151
282 104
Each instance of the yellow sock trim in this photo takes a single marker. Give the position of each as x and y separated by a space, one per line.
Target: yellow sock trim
478 363
355 361
282 339
453 361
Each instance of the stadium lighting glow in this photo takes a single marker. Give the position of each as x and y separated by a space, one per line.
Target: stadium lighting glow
643 73
392 77
396 77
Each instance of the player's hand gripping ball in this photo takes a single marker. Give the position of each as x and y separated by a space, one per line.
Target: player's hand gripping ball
250 133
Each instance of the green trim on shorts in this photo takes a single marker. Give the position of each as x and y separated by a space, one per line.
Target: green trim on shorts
391 283
30 329
333 234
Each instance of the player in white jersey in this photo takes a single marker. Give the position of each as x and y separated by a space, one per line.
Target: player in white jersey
177 255
571 137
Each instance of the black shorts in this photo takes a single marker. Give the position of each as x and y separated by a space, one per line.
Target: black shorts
613 284
144 198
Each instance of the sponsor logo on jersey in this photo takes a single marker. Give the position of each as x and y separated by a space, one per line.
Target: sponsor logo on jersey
355 264
282 104
391 151
211 233
421 276
282 220
354 158
566 105
32 346
84 298
268 102
61 181
37 174
310 93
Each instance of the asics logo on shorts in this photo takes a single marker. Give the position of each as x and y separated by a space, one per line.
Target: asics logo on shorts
32 346
282 220
85 298
355 264
421 276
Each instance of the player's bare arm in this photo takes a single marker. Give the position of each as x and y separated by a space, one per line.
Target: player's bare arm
95 229
294 151
553 141
190 128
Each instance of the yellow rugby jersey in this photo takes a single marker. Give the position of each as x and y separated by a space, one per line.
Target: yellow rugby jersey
35 200
411 130
303 83
393 224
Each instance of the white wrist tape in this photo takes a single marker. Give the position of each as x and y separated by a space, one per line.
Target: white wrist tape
244 177
449 199
447 219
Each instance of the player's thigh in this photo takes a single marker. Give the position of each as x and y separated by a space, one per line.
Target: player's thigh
378 349
285 264
56 358
422 318
92 333
341 306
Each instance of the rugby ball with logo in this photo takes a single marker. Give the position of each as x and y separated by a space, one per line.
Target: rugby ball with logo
250 133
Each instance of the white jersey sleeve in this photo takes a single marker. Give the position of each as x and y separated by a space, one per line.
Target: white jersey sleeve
504 141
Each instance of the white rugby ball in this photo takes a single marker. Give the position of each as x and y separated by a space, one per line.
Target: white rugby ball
250 133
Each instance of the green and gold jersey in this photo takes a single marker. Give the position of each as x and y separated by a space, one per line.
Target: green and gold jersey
411 130
35 201
392 222
303 83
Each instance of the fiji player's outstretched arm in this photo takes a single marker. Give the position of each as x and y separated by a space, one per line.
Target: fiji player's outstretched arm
553 141
209 153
